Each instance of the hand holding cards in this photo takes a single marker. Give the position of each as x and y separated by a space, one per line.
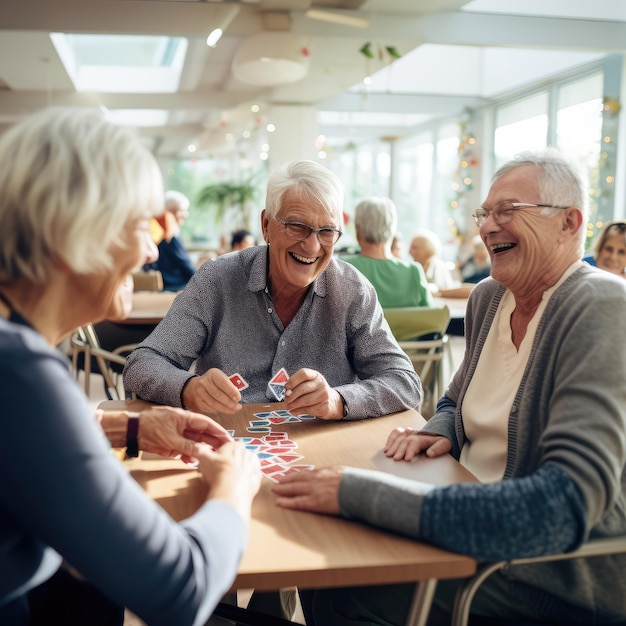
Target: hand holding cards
277 384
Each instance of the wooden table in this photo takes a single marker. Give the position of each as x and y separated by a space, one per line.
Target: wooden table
293 548
149 307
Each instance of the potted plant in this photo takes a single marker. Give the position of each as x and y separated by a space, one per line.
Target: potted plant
228 197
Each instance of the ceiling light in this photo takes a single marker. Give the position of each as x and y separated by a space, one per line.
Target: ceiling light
338 18
214 37
271 58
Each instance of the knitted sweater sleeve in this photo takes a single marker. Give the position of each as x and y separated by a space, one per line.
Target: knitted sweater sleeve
536 515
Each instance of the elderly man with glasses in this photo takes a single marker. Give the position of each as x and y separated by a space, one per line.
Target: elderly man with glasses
289 305
537 411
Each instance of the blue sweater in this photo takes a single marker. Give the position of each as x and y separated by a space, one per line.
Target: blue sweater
64 494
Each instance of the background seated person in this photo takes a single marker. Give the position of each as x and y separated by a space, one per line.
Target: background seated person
425 249
610 249
478 266
537 412
241 240
174 261
73 500
398 283
396 246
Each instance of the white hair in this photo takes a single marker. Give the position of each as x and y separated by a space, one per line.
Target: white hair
310 182
432 241
69 183
561 183
176 200
376 220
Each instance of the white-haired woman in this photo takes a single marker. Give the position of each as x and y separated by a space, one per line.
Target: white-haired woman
425 249
76 197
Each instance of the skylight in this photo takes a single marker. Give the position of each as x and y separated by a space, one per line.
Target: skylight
122 63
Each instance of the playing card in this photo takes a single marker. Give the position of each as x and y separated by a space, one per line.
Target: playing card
238 381
281 377
260 422
278 390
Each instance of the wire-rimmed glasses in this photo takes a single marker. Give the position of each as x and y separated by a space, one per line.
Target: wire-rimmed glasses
297 231
503 212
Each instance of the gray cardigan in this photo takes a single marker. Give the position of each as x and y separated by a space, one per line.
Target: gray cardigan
565 478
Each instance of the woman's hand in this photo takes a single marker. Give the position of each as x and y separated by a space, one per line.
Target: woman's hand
173 432
308 392
404 443
232 472
315 490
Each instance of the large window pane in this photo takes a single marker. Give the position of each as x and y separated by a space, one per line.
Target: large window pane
522 125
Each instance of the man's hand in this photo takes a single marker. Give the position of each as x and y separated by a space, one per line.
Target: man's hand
308 392
212 392
404 443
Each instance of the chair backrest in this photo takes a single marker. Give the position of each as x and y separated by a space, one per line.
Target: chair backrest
88 354
421 333
410 323
150 280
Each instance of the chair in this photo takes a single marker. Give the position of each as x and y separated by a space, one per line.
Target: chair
149 280
421 333
466 593
245 617
89 355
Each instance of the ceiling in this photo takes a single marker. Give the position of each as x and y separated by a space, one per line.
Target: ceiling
453 55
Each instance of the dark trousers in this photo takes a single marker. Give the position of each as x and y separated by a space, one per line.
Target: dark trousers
68 601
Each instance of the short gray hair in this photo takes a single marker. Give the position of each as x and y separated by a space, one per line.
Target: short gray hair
376 220
561 183
310 182
69 182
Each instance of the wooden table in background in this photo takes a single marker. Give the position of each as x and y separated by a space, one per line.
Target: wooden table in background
293 548
149 307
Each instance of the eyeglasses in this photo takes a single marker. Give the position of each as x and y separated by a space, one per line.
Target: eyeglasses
503 213
297 231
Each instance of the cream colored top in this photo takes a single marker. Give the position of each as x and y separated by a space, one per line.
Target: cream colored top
489 397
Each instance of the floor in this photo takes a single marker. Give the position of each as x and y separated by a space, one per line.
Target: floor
97 395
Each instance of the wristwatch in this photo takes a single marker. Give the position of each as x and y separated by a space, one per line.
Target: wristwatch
132 430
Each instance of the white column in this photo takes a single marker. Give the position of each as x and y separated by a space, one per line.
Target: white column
295 134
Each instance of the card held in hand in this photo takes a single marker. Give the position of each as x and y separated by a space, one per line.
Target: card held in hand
277 384
238 381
